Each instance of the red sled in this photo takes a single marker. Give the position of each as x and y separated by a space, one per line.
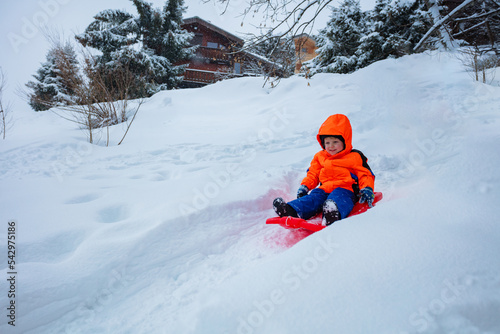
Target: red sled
314 224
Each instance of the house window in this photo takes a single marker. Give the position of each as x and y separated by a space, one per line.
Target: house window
212 45
237 68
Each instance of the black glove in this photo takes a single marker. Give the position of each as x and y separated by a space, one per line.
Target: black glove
303 190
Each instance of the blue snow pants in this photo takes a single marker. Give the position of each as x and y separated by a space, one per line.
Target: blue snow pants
310 205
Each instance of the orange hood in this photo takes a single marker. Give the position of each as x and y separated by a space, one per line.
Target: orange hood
337 125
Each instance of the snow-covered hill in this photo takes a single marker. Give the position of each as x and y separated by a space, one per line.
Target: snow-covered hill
165 233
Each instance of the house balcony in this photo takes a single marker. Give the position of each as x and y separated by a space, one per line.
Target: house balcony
214 55
195 77
200 76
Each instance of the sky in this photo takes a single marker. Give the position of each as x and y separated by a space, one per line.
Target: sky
24 47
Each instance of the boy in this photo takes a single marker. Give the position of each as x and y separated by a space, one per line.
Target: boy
339 171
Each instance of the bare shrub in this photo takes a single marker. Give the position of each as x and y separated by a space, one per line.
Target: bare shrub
103 99
481 64
4 109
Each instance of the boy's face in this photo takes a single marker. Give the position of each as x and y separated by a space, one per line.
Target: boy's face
333 145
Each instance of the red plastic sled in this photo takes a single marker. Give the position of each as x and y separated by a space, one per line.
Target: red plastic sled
314 224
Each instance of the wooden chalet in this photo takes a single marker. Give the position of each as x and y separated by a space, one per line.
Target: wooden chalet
217 56
305 49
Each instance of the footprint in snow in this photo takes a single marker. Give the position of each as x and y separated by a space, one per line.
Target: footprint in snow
113 214
82 199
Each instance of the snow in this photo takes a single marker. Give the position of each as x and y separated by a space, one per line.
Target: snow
165 233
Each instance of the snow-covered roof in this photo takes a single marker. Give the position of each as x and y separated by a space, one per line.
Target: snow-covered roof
228 35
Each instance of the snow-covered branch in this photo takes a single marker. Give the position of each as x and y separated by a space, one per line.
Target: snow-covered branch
441 22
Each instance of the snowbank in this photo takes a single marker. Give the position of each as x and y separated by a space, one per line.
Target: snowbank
165 233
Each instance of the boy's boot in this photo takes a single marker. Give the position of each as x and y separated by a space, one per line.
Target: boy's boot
330 212
282 209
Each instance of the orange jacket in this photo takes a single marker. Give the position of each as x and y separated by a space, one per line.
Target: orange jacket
334 171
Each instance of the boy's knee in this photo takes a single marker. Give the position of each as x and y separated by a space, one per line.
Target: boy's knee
330 212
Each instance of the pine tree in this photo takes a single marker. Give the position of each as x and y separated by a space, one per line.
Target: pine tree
56 80
355 39
176 40
371 46
338 42
148 44
164 42
110 31
400 25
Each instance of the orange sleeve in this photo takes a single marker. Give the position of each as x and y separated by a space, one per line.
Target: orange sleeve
311 180
366 180
365 176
